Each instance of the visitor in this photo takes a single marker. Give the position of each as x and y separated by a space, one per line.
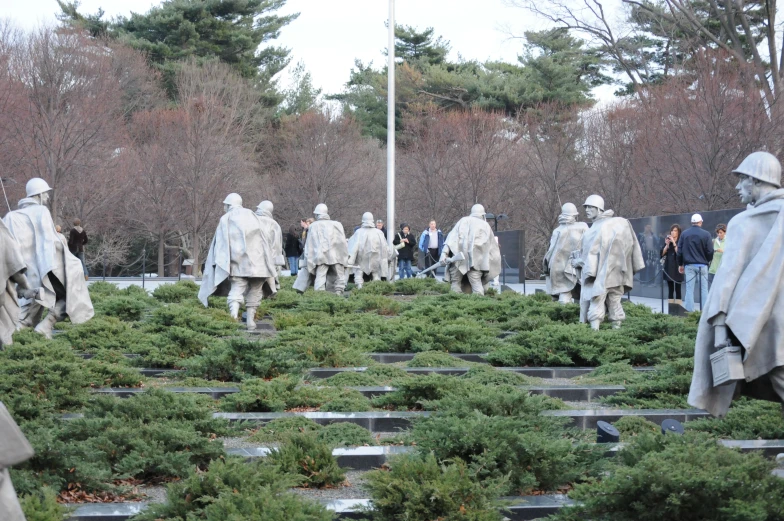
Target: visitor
76 241
718 249
669 256
293 249
650 252
404 243
695 253
304 224
431 243
380 226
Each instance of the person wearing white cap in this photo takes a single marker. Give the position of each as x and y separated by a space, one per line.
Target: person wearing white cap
608 258
560 276
695 252
746 303
50 265
239 253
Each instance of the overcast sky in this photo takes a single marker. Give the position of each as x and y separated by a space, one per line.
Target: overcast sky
330 34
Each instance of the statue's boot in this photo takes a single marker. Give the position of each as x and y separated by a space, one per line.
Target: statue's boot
595 324
251 319
46 326
234 310
616 324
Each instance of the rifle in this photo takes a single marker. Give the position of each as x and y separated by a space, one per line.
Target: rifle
456 258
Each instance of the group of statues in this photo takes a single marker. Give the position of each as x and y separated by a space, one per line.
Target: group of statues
740 339
596 264
246 255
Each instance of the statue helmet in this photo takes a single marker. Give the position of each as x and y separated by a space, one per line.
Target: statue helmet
569 209
36 186
265 206
478 211
367 218
763 166
596 201
321 209
233 200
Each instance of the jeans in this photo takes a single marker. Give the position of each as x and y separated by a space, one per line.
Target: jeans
404 268
294 265
80 255
693 273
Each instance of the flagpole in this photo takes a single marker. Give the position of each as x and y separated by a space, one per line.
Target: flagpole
391 125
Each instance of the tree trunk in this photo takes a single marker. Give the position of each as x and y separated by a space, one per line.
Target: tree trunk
161 256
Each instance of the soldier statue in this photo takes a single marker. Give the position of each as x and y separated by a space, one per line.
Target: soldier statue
745 304
609 257
474 238
560 276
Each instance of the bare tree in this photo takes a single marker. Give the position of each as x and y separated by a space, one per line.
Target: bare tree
68 123
316 158
219 110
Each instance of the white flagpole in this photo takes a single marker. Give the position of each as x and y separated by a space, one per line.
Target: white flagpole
391 126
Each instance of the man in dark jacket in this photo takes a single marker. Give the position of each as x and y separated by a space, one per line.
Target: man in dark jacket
695 252
76 241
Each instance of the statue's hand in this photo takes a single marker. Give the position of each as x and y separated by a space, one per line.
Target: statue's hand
721 338
27 293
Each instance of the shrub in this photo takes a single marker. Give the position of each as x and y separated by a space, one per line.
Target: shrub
153 436
630 426
347 404
354 379
487 375
302 453
42 505
343 434
418 488
688 478
236 489
179 292
125 308
279 429
747 419
435 359
258 395
414 391
213 322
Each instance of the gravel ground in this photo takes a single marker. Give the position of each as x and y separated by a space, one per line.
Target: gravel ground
155 494
243 443
352 490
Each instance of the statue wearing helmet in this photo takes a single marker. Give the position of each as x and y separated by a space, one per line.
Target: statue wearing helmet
241 257
325 254
740 339
608 258
368 252
273 235
50 265
560 276
13 284
474 238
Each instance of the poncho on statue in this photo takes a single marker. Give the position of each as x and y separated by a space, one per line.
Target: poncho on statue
611 256
562 277
749 289
11 263
474 238
238 249
45 252
368 249
325 254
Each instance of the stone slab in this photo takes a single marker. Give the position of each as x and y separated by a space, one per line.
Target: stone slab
125 392
372 421
373 391
107 511
391 358
88 356
356 458
768 448
526 508
153 372
583 393
540 372
587 419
